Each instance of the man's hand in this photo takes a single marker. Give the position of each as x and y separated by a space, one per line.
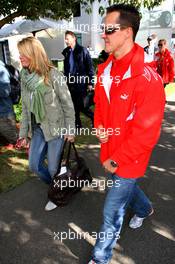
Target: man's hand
70 138
102 134
107 166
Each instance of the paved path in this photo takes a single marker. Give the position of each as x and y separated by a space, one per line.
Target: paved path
27 231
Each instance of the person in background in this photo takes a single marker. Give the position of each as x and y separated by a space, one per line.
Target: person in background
79 72
8 128
151 48
164 63
47 108
128 119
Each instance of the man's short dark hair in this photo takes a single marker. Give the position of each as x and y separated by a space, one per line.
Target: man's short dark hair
129 16
163 41
149 38
68 32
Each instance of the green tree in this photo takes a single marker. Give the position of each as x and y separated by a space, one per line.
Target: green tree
57 9
146 3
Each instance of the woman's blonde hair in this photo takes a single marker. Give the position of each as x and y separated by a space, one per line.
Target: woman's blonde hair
32 48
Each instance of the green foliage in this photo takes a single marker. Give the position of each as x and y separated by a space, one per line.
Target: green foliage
101 10
18 111
137 3
56 9
95 63
33 9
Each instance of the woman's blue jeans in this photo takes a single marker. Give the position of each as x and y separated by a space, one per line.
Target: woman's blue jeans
40 150
123 193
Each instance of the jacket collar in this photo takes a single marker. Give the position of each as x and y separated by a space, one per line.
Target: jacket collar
135 68
76 49
165 53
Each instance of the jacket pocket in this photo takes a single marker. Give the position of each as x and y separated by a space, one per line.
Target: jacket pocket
53 113
57 128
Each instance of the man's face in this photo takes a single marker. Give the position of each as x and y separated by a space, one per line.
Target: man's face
70 40
161 46
115 40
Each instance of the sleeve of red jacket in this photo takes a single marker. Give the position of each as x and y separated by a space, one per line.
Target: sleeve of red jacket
171 69
146 124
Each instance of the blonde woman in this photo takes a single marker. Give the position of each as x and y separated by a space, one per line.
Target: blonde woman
47 110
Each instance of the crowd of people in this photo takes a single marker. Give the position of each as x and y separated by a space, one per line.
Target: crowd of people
126 84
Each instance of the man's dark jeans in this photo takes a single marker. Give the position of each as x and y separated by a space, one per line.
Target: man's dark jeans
78 96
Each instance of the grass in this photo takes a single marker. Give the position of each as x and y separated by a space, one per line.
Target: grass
14 163
13 169
170 90
87 138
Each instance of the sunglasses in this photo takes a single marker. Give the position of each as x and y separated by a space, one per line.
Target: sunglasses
160 45
109 30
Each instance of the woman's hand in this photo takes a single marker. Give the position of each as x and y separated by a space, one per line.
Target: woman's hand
21 143
70 138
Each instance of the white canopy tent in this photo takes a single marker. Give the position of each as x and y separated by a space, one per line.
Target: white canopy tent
25 26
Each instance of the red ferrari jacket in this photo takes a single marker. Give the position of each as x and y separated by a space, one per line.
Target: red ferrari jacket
132 115
165 66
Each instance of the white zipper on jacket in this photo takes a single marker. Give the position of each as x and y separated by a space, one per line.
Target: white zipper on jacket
107 80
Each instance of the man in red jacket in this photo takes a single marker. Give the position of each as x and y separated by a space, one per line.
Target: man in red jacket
128 119
164 63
